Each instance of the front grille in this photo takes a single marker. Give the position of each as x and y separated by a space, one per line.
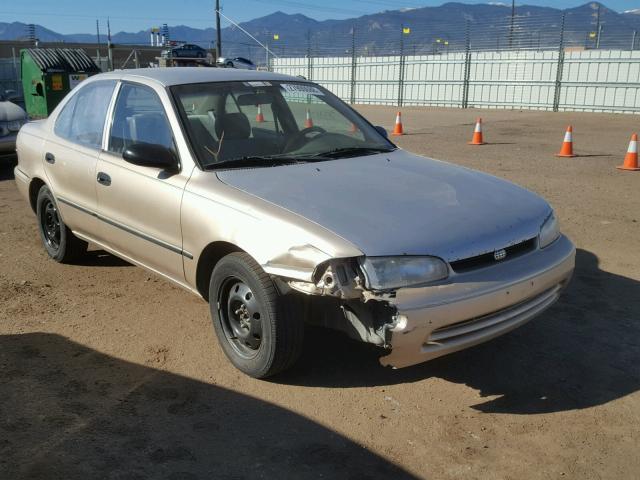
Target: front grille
487 259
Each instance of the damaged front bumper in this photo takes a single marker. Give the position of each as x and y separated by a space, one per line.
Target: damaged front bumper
477 306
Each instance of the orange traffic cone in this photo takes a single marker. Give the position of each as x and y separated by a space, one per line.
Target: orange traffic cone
567 145
631 160
308 123
260 116
398 130
477 134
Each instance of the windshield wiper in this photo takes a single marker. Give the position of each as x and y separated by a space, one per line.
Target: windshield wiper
353 151
254 161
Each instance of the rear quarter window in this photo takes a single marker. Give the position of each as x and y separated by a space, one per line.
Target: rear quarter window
81 120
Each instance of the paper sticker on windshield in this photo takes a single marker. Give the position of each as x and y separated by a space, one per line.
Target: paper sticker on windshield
257 84
300 89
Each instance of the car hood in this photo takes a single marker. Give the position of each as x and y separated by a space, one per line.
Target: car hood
401 204
10 112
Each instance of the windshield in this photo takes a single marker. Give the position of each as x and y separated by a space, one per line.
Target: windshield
230 123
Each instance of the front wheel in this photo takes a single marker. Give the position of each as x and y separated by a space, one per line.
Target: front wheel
59 242
260 331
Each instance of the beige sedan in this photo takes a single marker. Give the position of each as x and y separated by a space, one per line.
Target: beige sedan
280 205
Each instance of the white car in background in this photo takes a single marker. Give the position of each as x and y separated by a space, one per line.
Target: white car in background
237 62
12 117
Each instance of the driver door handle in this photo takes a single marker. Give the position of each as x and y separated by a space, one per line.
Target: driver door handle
103 179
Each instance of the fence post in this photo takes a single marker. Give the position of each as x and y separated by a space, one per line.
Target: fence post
467 67
633 40
352 93
401 69
560 69
309 57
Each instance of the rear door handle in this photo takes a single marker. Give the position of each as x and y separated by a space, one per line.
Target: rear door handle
50 157
104 179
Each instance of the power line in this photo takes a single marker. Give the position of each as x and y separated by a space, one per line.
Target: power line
103 17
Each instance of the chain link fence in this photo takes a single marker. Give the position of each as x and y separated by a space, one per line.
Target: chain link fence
546 63
122 57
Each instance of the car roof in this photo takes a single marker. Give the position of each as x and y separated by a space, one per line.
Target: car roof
184 75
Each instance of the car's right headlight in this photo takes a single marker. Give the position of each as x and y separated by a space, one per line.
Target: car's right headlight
387 273
550 231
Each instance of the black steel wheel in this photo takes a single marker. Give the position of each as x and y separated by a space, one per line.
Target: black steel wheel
241 317
59 242
50 223
259 330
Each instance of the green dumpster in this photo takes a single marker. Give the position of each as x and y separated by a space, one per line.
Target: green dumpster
48 74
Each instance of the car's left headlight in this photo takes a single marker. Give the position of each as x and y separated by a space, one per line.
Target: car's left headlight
387 273
550 231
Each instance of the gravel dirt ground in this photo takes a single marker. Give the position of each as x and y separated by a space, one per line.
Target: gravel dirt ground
106 371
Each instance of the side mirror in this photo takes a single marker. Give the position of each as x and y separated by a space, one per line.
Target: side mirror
150 155
382 131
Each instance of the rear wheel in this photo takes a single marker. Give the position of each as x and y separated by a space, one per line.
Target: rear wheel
59 242
260 331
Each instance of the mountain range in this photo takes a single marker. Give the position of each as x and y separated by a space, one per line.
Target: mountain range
380 32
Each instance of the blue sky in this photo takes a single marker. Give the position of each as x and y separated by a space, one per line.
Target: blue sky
78 16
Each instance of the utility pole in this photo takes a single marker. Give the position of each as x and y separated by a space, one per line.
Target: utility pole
218 33
109 46
98 41
513 16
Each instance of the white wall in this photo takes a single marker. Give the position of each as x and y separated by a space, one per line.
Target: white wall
594 80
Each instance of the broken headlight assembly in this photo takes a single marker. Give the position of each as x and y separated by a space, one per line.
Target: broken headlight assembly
550 231
388 273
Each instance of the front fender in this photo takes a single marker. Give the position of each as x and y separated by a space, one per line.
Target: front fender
283 243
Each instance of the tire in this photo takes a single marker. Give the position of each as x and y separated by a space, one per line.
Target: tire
229 64
260 331
59 242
